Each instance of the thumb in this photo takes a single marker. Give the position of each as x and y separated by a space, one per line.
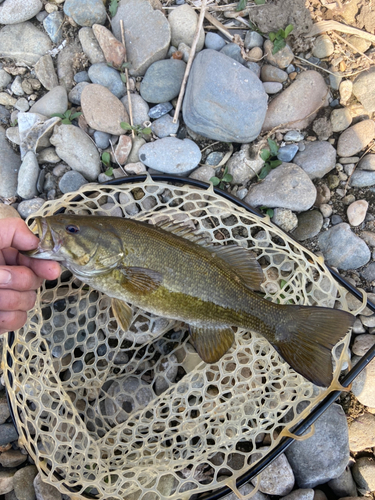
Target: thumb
15 233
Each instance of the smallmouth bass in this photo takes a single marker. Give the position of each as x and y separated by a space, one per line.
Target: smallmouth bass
169 270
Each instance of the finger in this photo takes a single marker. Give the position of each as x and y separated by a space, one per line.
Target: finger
46 269
19 278
11 320
12 300
15 233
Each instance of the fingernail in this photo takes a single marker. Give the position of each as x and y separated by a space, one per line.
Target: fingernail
5 277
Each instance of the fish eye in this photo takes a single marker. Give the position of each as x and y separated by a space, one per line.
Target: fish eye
72 229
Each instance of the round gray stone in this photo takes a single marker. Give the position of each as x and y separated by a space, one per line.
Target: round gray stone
364 89
90 46
325 454
309 225
23 482
362 178
28 176
214 41
344 485
367 162
85 12
301 494
8 434
29 207
285 219
140 108
24 43
340 119
183 22
171 155
102 139
277 478
18 11
12 458
364 474
317 159
253 39
213 111
368 273
287 153
233 51
9 165
108 77
5 79
76 92
53 26
323 47
270 73
356 138
71 181
164 126
55 101
203 173
162 81
45 491
287 186
272 87
343 249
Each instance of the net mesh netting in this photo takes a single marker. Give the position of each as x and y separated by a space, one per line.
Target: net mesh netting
136 414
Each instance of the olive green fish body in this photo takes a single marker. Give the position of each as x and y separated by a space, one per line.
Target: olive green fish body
171 272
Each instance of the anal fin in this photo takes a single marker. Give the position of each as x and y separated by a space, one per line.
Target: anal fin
123 313
211 343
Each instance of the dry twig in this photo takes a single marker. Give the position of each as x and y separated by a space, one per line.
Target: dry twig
210 18
323 26
127 78
315 65
351 46
190 60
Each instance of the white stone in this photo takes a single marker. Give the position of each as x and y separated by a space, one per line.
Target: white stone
357 212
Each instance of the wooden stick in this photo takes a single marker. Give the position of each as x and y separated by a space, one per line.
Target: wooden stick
352 46
190 60
127 78
316 66
218 25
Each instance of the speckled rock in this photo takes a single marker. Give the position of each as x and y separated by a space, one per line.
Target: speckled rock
343 249
9 165
325 454
45 491
26 208
285 219
140 52
162 81
71 181
24 43
90 46
45 72
356 138
367 162
210 110
287 186
277 478
317 159
323 47
362 432
340 119
55 101
85 12
245 164
102 110
18 11
65 68
23 483
363 89
309 225
364 474
299 100
183 21
356 212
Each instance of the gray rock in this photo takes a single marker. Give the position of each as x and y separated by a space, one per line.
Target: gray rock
22 104
293 135
364 89
325 454
12 458
162 81
76 92
364 384
13 134
71 181
244 164
317 159
361 435
344 485
108 77
164 126
285 219
323 128
140 108
6 211
336 219
254 67
272 87
343 249
301 494
16 86
24 43
9 165
364 474
5 79
53 26
253 39
245 490
282 58
65 68
270 73
214 158
287 153
141 53
138 142
48 155
367 162
183 22
8 434
45 491
368 274
90 46
171 155
287 186
160 109
102 139
356 138
85 12
23 483
18 11
29 207
309 225
82 76
6 485
55 101
323 47
362 343
214 41
340 119
45 72
233 51
77 150
203 173
28 176
211 110
362 178
277 478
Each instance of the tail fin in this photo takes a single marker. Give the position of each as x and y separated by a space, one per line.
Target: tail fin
305 338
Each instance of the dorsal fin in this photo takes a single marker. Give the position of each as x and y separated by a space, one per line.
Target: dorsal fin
242 262
185 231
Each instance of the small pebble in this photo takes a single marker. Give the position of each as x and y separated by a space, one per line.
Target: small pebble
272 87
160 109
357 212
287 153
71 181
26 208
164 126
293 135
326 210
214 41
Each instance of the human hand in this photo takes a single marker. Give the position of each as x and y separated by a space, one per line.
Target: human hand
20 275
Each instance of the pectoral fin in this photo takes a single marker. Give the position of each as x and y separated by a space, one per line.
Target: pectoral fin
211 343
140 280
123 313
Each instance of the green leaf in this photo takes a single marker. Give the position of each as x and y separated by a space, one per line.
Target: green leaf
113 7
260 2
146 130
227 178
278 45
215 181
75 115
126 126
125 65
283 283
280 34
66 121
272 36
106 158
265 171
275 163
123 77
59 115
109 171
241 5
265 154
288 29
274 148
269 212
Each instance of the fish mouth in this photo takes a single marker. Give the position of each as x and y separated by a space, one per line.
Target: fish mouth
49 242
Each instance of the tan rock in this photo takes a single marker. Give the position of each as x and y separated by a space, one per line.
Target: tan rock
341 119
13 458
123 148
6 99
357 212
113 50
255 54
7 211
282 58
356 138
297 102
361 432
102 110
